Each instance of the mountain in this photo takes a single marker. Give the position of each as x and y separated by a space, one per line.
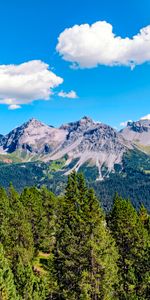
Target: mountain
35 153
92 142
137 132
84 140
33 137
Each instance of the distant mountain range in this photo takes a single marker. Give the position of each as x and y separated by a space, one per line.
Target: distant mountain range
85 140
94 148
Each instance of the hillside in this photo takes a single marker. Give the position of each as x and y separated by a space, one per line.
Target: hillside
37 154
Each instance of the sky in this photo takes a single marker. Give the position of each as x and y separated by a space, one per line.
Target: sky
64 59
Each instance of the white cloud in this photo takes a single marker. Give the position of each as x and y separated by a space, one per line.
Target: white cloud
124 124
27 82
88 46
147 117
14 106
71 94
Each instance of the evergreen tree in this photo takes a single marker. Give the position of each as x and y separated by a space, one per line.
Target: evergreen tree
49 219
85 255
132 241
20 235
81 260
144 217
32 201
66 251
100 271
7 286
19 246
4 217
41 289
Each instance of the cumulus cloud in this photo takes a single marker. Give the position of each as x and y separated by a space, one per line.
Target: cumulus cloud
147 117
27 82
72 94
124 124
88 46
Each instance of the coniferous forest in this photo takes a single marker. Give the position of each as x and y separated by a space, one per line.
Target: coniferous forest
67 248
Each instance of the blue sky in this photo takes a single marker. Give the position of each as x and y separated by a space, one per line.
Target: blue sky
29 31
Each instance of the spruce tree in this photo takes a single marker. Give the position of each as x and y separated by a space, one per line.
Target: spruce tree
100 271
132 241
7 286
19 246
20 235
84 255
66 251
144 217
32 201
49 219
4 217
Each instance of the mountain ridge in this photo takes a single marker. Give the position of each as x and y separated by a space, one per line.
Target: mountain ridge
44 155
84 141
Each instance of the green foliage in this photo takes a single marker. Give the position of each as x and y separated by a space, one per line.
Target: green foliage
61 247
84 254
130 179
22 174
57 165
31 199
133 245
4 216
7 286
90 172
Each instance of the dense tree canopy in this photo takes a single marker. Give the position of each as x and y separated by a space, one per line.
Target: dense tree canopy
65 248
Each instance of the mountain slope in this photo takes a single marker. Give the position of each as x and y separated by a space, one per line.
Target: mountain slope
33 137
82 142
92 142
138 132
111 161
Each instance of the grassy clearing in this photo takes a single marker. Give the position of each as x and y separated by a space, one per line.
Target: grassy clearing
57 165
40 262
146 149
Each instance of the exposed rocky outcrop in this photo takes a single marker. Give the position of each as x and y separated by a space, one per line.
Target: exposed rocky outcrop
84 141
92 141
138 132
34 137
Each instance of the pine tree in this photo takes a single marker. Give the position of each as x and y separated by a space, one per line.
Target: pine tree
4 217
19 246
100 253
41 289
144 217
132 241
20 235
66 251
49 219
32 201
85 255
7 286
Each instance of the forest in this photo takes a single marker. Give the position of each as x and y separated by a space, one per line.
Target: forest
67 248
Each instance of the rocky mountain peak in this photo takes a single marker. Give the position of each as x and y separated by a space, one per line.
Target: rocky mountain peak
86 120
34 137
34 123
96 142
138 132
84 141
80 125
139 126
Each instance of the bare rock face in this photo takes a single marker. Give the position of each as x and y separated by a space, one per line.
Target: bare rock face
137 132
35 137
92 141
2 138
84 141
